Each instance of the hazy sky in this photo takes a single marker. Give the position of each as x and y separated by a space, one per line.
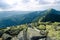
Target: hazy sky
28 5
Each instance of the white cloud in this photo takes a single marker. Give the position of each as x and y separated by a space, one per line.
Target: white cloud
30 5
1 9
10 2
50 1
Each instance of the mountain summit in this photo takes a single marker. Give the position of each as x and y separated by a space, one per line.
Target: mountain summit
52 15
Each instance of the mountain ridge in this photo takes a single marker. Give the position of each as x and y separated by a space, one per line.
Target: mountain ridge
50 15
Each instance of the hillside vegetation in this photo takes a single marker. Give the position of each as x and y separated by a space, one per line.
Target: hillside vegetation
50 15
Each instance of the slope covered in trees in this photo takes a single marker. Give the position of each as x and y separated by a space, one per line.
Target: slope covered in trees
50 15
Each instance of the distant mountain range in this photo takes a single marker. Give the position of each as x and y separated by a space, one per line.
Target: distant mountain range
14 18
11 13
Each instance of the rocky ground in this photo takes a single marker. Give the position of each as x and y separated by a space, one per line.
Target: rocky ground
28 34
34 32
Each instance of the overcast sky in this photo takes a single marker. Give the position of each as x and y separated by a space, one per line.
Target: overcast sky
28 5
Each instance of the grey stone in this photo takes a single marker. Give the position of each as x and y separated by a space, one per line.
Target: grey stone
6 36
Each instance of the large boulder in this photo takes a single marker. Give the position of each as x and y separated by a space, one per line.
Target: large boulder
20 36
13 32
6 36
1 33
14 38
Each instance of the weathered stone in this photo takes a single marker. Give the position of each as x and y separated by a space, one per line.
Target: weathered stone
43 32
57 28
0 38
14 38
26 34
13 32
20 35
1 33
6 36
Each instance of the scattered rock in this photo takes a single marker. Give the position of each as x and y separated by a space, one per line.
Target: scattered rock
6 36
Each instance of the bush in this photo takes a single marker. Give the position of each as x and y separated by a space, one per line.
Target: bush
42 27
